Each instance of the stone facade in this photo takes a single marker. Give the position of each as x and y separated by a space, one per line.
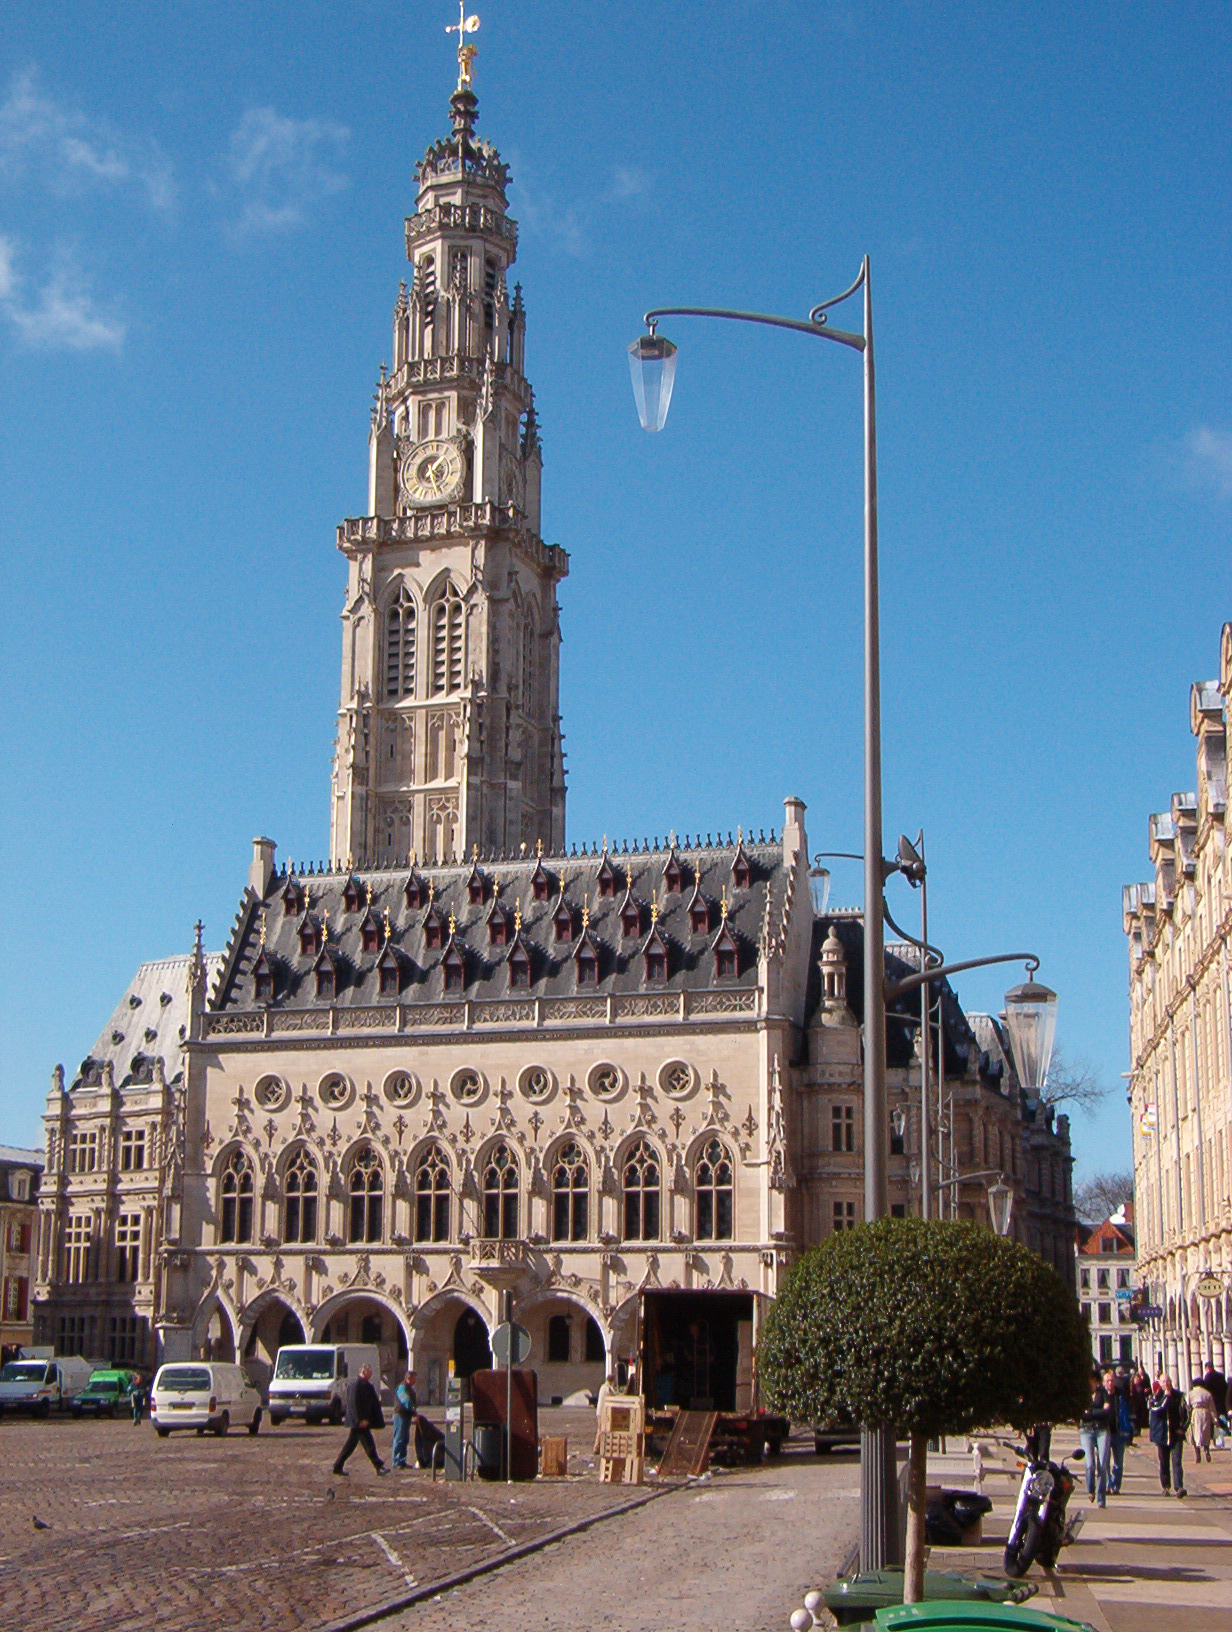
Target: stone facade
449 725
1178 926
20 1172
621 1086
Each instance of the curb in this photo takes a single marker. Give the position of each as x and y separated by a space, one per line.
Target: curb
511 1555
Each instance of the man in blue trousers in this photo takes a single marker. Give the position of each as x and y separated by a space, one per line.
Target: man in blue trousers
405 1406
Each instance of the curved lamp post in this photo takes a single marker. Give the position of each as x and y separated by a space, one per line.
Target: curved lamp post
652 364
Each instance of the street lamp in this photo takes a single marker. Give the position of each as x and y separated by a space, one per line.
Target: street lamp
1031 1020
652 363
1000 1205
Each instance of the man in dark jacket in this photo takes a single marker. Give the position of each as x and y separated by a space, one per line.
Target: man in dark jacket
1169 1422
1216 1386
363 1414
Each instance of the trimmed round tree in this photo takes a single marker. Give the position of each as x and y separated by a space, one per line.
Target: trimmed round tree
927 1327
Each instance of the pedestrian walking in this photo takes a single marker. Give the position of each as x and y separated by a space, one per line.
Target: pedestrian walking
1140 1400
1201 1418
137 1397
1169 1424
1122 1427
406 1406
363 1414
1096 1435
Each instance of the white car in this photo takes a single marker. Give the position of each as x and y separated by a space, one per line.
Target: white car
203 1394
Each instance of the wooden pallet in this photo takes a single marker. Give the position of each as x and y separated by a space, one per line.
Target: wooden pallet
688 1450
622 1423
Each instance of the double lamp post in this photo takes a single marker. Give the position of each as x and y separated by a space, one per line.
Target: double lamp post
1030 1008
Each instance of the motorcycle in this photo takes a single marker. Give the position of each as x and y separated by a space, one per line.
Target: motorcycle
1040 1528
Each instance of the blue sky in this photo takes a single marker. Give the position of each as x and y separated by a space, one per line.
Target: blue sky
200 244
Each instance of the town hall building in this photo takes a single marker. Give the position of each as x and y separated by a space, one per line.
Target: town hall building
463 1059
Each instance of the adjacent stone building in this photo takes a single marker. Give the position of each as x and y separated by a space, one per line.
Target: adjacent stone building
1180 989
20 1172
621 1084
1108 1289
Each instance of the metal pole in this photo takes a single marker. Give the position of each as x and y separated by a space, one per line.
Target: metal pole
878 1460
925 1052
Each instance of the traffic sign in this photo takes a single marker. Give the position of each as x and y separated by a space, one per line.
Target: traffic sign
1124 1294
1210 1286
510 1343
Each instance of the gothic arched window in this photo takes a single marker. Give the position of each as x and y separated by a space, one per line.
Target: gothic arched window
432 1196
640 1184
400 645
712 1184
367 1191
447 642
236 1201
528 665
570 1194
500 1195
300 1205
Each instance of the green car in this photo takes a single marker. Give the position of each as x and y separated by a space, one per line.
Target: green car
106 1392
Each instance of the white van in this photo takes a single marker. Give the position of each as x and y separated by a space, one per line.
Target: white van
203 1394
38 1383
310 1379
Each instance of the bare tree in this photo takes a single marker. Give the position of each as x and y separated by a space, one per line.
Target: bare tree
1073 1083
1101 1195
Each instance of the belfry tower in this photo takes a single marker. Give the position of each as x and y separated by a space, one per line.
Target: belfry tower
449 725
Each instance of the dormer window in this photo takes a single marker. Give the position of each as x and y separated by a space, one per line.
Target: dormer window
606 878
416 892
370 933
562 923
654 955
327 979
742 872
587 966
474 887
353 895
263 979
726 955
292 900
388 973
630 919
434 930
673 875
699 916
498 927
455 970
309 938
519 967
540 883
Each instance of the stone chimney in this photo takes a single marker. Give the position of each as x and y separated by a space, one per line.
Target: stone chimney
262 870
794 837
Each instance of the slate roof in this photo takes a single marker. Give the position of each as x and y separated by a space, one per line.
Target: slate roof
150 1022
573 879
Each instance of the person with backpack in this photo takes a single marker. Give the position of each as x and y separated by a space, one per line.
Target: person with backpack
1169 1425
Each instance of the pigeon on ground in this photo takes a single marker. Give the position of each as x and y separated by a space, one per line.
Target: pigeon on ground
38 1523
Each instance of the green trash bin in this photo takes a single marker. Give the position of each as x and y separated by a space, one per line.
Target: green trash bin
860 1597
951 1615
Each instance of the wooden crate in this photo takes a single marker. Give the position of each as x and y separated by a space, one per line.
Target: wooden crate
553 1456
622 1435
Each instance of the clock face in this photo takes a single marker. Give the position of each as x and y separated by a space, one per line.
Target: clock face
433 473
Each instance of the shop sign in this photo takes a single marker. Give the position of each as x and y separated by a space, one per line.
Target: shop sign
1210 1286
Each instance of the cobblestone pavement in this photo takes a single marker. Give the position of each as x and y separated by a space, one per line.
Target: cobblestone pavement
735 1553
1145 1562
187 1533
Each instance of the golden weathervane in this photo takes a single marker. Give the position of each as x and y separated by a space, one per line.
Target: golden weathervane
466 53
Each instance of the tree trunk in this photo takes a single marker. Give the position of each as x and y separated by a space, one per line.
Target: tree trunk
917 1480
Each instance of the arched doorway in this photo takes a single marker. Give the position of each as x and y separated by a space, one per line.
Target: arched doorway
364 1319
567 1346
471 1348
271 1326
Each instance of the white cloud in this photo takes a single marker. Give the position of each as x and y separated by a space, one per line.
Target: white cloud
66 151
280 168
60 313
1210 459
628 182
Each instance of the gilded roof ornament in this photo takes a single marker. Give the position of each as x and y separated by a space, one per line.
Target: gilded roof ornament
453 924
466 53
263 929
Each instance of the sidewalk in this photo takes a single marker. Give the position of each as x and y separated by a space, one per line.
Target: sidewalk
1145 1562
